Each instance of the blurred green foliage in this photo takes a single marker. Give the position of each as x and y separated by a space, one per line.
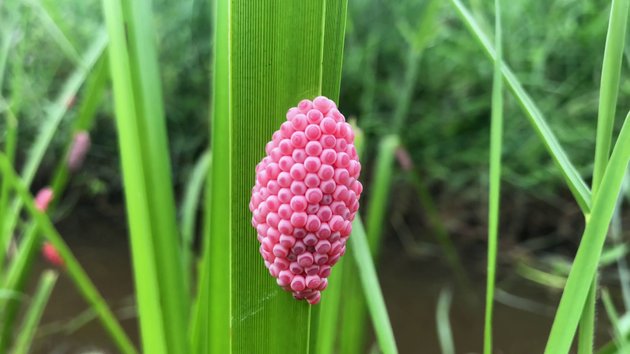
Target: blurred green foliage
555 48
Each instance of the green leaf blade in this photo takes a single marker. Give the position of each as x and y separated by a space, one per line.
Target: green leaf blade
269 55
591 244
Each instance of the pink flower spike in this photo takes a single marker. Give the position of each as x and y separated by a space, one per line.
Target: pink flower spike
305 196
43 198
80 146
51 254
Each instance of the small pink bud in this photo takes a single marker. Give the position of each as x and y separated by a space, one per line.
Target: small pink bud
80 146
43 198
51 254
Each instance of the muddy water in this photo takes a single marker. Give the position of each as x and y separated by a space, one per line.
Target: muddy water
411 287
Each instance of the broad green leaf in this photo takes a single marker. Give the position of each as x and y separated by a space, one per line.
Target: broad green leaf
269 55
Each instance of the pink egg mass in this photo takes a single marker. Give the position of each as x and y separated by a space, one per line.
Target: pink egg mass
306 196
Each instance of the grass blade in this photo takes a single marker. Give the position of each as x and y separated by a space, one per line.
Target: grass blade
9 150
211 330
616 236
578 188
151 124
383 171
611 70
34 313
494 194
190 204
591 244
369 282
329 308
152 323
353 311
445 335
613 316
55 32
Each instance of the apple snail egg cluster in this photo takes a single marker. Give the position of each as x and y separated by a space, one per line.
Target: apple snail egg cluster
305 197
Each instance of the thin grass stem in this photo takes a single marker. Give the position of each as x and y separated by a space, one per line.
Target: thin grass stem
445 333
494 195
34 314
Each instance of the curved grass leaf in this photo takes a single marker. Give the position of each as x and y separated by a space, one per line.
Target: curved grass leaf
578 188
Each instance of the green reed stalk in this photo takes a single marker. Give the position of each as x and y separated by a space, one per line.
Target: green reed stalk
611 71
494 194
155 244
371 288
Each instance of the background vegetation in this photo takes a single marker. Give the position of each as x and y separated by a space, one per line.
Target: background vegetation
415 80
